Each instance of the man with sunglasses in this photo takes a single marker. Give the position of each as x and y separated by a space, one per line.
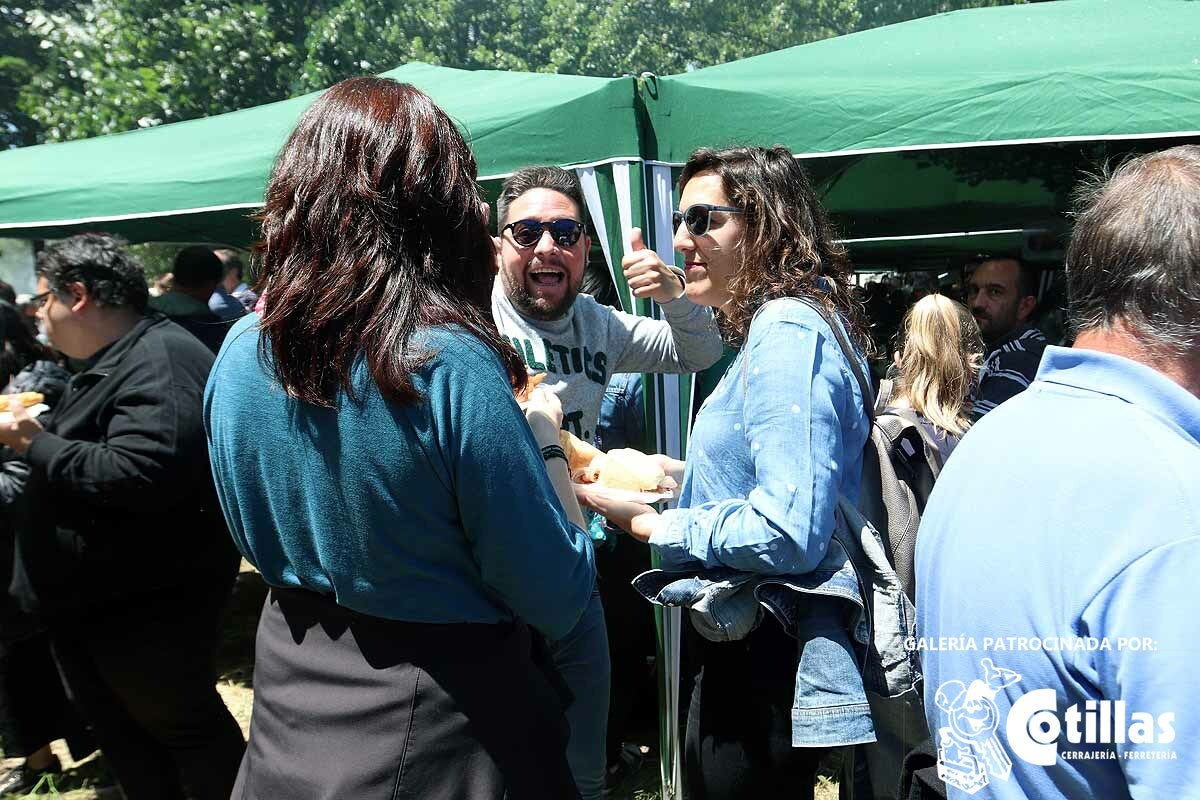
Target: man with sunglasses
542 250
579 343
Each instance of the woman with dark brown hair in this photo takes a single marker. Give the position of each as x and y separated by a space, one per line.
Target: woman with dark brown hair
774 446
374 466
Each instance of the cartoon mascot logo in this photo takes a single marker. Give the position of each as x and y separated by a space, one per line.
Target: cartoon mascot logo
969 753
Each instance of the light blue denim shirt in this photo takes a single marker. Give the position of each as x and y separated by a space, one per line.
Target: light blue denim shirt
773 446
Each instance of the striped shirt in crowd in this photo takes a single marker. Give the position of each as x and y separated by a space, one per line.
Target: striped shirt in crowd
1009 368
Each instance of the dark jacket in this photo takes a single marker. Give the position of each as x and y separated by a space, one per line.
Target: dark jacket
120 498
50 380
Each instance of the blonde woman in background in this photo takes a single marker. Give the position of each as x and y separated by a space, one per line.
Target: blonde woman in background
937 364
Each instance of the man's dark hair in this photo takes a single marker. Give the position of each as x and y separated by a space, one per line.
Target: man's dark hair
197 267
230 260
100 262
1028 277
553 178
1135 251
7 293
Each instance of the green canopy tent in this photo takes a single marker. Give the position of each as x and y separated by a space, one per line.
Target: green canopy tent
946 129
959 122
201 180
198 180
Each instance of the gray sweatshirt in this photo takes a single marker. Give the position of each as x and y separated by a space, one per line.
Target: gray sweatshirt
580 351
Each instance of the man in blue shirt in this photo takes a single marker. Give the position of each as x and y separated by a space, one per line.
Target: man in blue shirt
1058 555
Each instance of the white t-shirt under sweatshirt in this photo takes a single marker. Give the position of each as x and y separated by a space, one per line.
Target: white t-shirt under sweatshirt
580 351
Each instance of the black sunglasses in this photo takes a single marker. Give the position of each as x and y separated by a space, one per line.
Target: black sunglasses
528 232
698 217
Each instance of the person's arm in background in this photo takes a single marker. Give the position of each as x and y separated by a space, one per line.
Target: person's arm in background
796 396
543 412
532 551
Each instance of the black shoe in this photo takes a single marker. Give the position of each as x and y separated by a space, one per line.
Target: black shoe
625 767
21 779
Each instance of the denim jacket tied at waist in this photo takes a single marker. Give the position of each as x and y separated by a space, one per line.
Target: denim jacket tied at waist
847 646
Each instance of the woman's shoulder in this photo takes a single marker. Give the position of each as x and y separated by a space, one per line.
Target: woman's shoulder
453 345
775 315
455 356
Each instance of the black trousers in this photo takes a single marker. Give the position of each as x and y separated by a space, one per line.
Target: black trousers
630 623
739 728
142 671
351 706
34 709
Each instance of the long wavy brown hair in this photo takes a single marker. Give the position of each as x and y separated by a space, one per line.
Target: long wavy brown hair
789 249
373 227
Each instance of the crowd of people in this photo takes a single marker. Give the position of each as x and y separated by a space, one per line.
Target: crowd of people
363 428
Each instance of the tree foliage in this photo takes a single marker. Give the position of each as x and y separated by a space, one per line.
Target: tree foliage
72 69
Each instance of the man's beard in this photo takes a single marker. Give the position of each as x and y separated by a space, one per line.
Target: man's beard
538 307
992 331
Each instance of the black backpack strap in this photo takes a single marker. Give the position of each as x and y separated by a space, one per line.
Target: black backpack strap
886 388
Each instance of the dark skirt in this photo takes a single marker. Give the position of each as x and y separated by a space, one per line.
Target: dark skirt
351 706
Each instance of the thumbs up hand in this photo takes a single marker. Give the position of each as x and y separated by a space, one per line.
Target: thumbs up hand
635 240
646 273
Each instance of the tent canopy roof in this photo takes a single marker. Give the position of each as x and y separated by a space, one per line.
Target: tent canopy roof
1073 69
973 120
197 180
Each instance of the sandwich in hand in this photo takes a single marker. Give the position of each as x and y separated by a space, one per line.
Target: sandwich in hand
531 383
26 399
626 469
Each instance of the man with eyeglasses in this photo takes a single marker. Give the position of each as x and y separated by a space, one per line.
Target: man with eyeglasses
579 343
121 546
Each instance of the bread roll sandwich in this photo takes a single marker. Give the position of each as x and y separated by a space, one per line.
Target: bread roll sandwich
626 469
26 399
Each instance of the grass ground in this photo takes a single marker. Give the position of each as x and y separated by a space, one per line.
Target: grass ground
89 779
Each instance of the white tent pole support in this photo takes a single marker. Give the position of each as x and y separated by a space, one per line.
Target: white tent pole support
620 172
591 196
670 439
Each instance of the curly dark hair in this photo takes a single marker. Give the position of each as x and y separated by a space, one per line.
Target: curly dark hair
789 248
18 347
373 227
101 263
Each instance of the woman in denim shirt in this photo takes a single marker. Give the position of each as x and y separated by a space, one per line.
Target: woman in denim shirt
779 439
